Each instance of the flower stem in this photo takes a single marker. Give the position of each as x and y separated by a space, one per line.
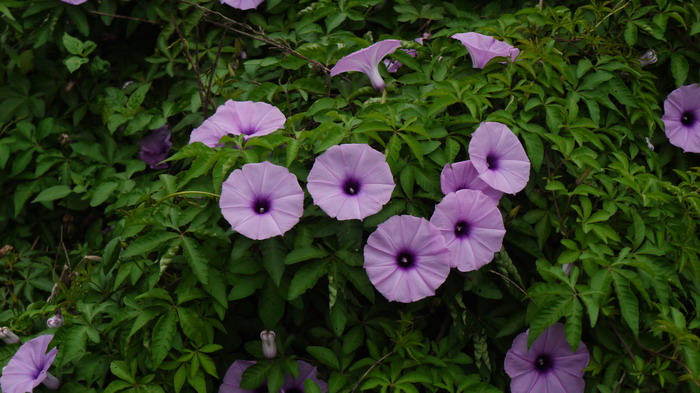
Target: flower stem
187 193
51 382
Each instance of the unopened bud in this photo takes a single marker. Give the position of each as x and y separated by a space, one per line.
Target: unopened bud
56 321
268 343
649 57
7 336
566 268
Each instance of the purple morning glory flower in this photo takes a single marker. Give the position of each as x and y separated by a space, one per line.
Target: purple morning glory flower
74 2
245 118
367 60
406 258
462 175
549 366
155 148
234 375
472 227
8 336
261 200
498 156
242 4
29 367
483 48
350 181
682 118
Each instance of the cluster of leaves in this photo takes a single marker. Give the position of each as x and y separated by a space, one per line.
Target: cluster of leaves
138 257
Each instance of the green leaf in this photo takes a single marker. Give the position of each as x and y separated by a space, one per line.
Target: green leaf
679 68
306 277
163 335
198 263
74 62
631 33
52 193
147 243
629 305
102 192
574 324
192 325
414 146
270 306
304 254
273 259
324 355
121 370
73 45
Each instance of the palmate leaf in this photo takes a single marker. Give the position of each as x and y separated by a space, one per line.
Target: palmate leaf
147 243
629 305
574 322
197 262
306 277
547 315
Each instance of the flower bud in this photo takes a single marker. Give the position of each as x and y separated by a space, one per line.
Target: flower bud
7 336
56 321
566 268
649 57
268 343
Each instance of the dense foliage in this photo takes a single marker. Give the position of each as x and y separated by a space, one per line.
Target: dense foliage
159 295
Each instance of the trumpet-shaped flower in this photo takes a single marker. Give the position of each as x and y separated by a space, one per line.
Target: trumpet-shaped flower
498 156
472 227
245 118
29 367
483 48
350 181
406 259
242 4
462 175
367 60
261 200
549 366
234 376
682 118
155 147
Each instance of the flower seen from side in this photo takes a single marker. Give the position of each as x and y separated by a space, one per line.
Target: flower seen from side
472 227
367 60
8 336
234 376
498 156
483 48
406 259
246 118
682 118
155 148
350 181
261 200
462 175
549 366
242 4
29 367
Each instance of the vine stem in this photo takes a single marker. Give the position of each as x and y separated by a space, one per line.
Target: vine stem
375 364
187 193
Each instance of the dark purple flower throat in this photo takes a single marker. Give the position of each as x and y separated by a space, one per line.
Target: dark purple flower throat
351 186
261 205
405 259
492 161
462 229
543 363
688 118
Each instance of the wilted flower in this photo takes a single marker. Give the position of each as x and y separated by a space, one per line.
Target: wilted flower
268 343
566 268
367 60
406 259
498 156
472 227
394 65
155 148
74 2
648 58
245 118
682 118
483 48
55 321
462 175
7 336
549 366
261 200
234 376
350 181
242 4
29 367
